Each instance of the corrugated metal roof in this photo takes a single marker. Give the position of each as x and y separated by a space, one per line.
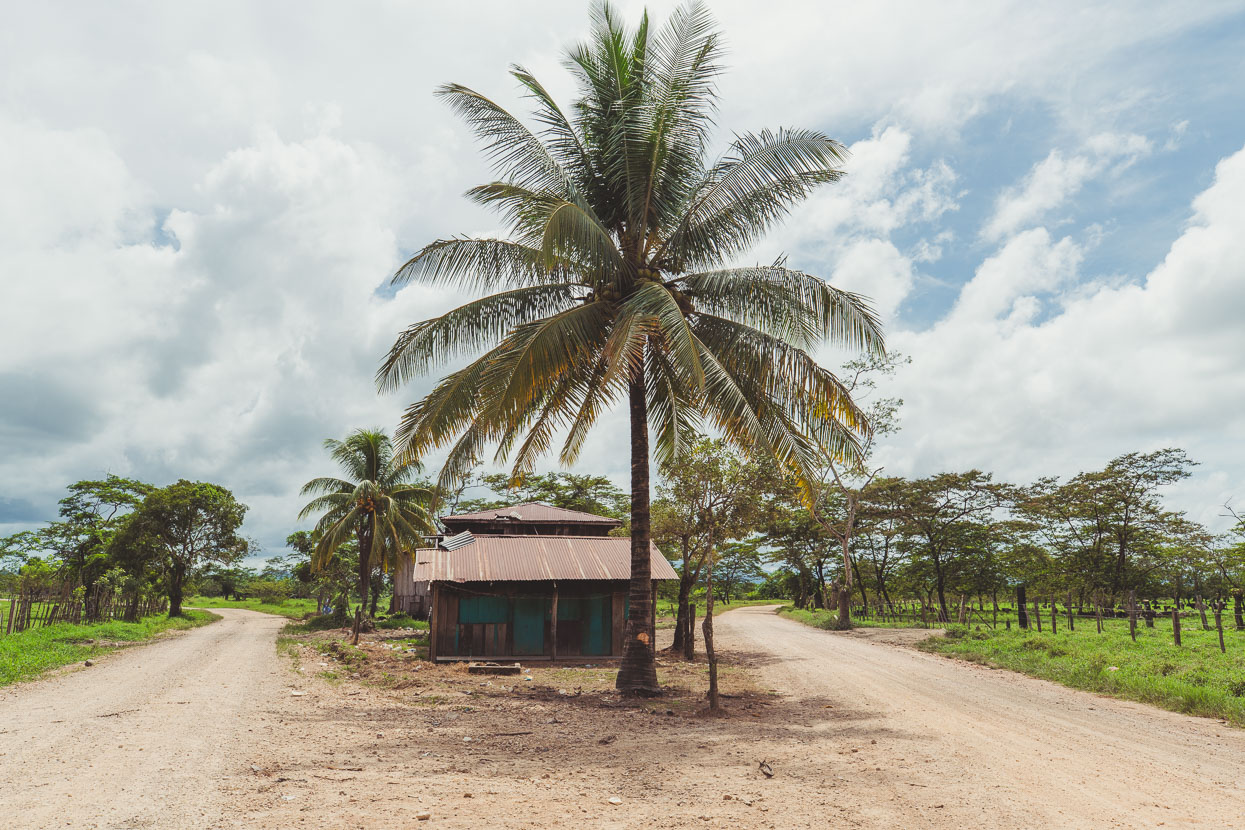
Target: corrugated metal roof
456 542
533 512
534 558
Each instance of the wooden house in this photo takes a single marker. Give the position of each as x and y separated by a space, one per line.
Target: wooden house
548 584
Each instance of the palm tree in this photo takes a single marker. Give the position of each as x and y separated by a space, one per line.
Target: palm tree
616 281
376 505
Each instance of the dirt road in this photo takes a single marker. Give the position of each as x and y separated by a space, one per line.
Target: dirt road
144 738
203 731
939 743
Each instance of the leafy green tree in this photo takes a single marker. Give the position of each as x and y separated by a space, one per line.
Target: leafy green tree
737 569
945 518
1109 526
616 281
835 502
332 581
586 493
708 497
182 527
227 582
90 515
797 542
376 506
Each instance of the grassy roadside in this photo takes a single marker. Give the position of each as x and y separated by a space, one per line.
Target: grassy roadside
1195 678
295 609
668 609
821 618
27 655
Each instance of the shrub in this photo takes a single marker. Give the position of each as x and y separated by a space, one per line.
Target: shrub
275 591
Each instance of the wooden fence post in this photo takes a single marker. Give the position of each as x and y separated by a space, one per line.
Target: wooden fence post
1098 610
1071 617
1054 615
1176 623
1022 616
1218 608
1201 610
1132 614
1037 615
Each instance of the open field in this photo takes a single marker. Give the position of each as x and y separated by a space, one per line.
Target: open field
1194 678
295 609
26 655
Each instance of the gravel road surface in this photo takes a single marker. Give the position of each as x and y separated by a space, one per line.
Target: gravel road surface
962 745
145 737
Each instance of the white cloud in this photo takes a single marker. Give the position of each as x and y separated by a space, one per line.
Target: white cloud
1118 368
1057 178
199 201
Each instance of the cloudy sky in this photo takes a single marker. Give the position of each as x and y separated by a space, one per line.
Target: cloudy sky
201 203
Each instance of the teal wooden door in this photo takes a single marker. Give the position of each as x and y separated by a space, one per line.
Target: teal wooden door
596 624
529 624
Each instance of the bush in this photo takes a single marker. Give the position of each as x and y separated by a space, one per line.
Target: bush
275 591
320 622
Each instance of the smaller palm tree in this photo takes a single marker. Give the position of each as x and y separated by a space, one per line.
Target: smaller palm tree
376 504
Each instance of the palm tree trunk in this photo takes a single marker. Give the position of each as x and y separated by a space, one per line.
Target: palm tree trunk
638 673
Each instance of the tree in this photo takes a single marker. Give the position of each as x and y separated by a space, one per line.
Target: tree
585 493
184 526
1109 526
376 506
332 581
945 517
90 515
616 282
738 567
796 541
709 497
878 539
835 501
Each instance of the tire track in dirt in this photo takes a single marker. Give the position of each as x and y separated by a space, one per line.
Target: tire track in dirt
147 737
960 743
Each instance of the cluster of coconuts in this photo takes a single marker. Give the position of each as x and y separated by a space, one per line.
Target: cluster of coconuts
611 294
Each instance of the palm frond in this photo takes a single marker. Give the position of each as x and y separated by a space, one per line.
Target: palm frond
516 154
739 198
483 265
468 328
788 304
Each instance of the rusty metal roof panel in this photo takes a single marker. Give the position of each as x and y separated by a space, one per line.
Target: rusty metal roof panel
535 558
533 512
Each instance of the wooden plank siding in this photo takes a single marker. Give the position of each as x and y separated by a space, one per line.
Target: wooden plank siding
479 620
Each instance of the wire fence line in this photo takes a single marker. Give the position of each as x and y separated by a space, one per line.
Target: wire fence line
1208 616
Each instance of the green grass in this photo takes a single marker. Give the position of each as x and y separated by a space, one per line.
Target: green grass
670 607
295 609
27 655
821 618
1195 678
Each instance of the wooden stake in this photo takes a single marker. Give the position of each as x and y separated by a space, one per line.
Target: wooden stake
1176 623
1132 614
1218 608
1071 618
553 624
